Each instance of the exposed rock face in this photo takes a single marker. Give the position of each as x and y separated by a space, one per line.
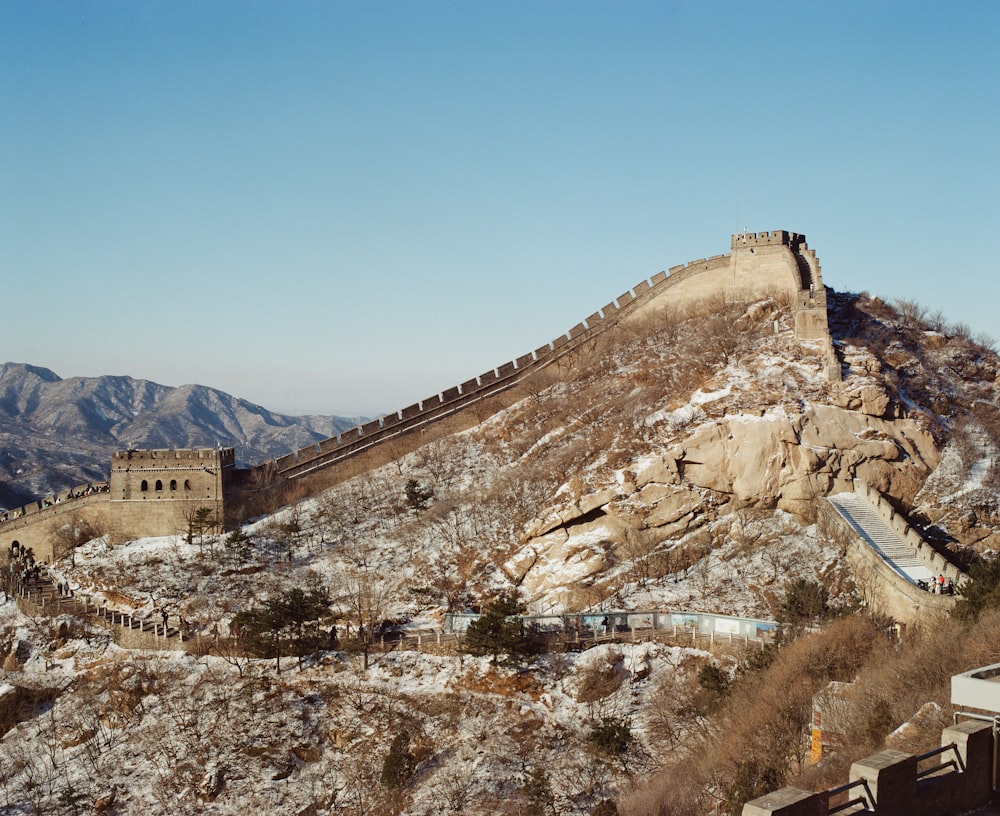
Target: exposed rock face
212 783
19 703
777 459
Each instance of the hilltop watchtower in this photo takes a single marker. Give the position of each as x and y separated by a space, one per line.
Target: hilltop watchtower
783 260
156 492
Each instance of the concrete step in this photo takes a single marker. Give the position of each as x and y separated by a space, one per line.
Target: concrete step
46 588
857 511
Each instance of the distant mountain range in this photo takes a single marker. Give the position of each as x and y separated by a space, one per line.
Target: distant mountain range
56 433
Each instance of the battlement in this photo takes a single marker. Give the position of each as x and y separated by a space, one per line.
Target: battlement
762 264
773 238
151 492
173 459
154 492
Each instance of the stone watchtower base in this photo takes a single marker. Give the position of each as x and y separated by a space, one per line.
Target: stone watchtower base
155 492
150 493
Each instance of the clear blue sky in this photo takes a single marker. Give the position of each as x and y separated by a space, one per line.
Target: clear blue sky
345 207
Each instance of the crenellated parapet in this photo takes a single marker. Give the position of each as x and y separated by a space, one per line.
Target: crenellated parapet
149 493
155 492
173 459
778 264
772 238
957 777
152 490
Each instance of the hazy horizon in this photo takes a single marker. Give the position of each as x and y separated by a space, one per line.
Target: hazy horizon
341 209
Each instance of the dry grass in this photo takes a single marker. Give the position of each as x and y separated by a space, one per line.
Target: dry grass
756 742
600 679
504 683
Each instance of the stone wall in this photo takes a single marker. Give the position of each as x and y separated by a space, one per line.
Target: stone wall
936 561
956 778
884 590
36 530
154 492
150 493
767 264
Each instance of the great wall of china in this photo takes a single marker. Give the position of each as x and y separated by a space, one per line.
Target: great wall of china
156 492
144 485
777 263
151 492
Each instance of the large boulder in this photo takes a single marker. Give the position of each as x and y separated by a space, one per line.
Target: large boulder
772 459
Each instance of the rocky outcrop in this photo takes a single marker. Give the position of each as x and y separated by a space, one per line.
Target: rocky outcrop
20 702
774 459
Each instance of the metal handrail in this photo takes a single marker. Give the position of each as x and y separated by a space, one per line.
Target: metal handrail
866 799
955 763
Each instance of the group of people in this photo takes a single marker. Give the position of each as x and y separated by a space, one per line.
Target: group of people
938 586
23 567
89 490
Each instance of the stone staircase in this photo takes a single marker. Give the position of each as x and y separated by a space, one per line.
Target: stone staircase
866 522
805 272
43 597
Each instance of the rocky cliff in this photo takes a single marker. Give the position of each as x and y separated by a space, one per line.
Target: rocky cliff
767 431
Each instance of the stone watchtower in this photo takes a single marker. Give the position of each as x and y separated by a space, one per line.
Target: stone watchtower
156 492
785 258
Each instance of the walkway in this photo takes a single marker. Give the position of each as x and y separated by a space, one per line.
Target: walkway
866 522
577 641
43 597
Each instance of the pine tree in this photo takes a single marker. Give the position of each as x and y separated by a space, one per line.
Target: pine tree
399 762
805 601
981 590
499 630
239 544
290 620
612 735
417 497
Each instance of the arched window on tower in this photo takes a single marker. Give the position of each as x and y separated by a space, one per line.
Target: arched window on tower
143 486
173 485
187 484
159 486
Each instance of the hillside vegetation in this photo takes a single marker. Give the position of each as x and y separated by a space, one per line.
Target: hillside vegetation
674 465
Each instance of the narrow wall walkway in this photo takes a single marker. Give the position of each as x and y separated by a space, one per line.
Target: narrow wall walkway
42 597
867 523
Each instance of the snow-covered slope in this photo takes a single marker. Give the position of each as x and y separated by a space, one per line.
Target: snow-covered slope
676 469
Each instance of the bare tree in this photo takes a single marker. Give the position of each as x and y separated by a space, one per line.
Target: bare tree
75 531
868 584
912 312
640 549
364 596
199 521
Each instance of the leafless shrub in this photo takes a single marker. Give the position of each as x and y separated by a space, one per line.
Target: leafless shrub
749 529
986 341
910 311
77 530
755 741
454 789
601 679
